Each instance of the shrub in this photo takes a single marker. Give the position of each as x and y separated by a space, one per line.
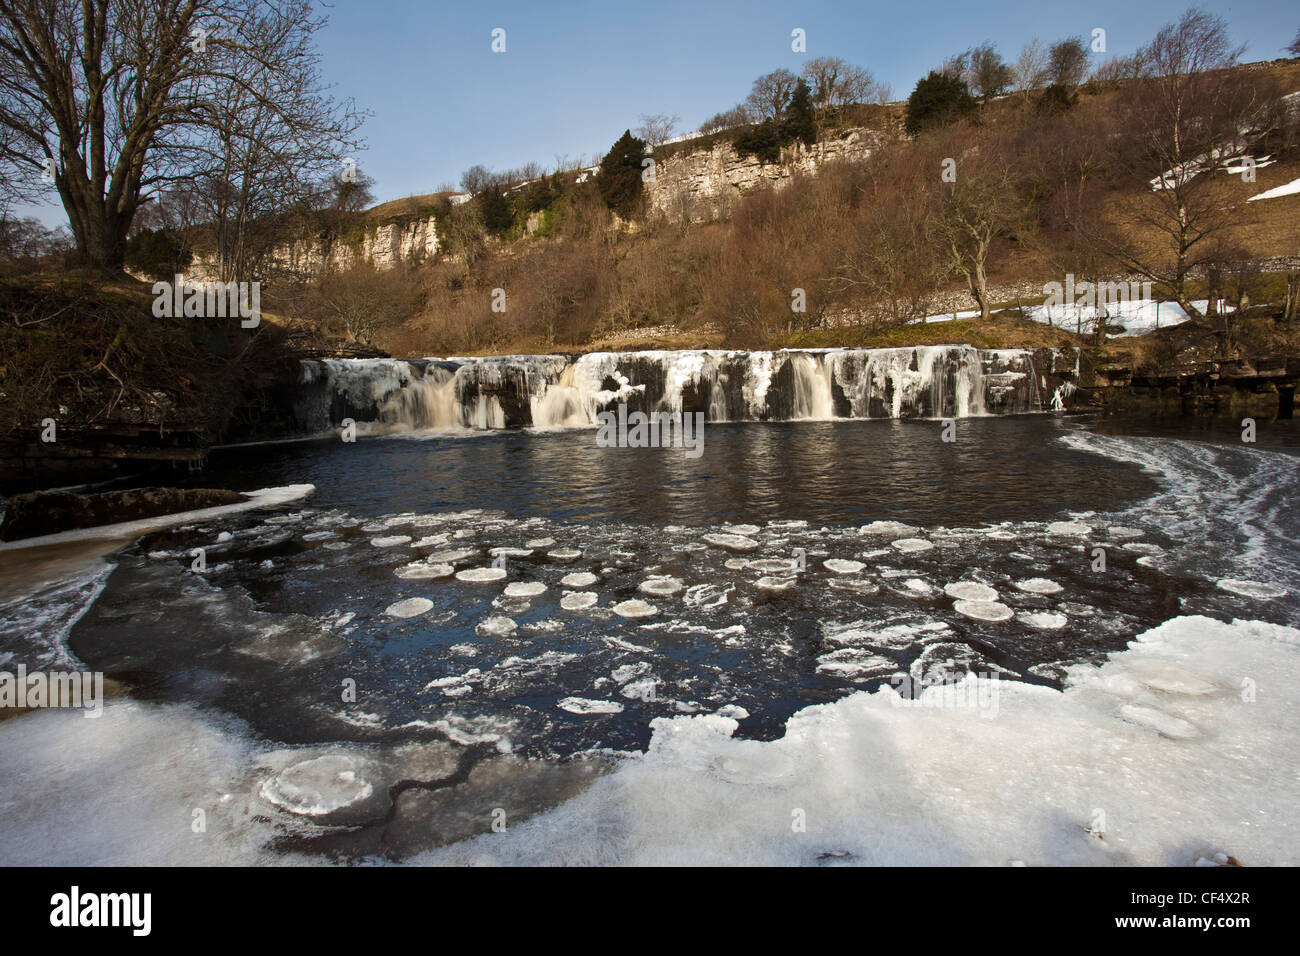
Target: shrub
939 99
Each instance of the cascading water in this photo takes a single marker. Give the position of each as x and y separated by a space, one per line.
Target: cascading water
555 391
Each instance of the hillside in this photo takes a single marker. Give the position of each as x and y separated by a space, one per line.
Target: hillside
721 237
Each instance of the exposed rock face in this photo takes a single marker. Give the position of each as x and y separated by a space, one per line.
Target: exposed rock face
53 511
385 245
1259 388
701 186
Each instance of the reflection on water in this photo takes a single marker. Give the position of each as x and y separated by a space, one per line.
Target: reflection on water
827 472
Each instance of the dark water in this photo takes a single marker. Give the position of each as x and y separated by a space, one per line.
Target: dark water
828 472
291 609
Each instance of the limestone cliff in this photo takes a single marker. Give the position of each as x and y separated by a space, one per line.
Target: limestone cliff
385 245
702 185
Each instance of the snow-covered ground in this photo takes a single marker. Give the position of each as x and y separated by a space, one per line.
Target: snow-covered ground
1160 757
1137 317
1177 749
1288 189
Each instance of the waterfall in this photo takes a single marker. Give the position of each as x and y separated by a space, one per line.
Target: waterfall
557 391
812 386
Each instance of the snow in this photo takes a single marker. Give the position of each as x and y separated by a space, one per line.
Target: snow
625 672
1159 738
768 565
917 587
894 529
391 541
1134 316
642 689
452 555
262 498
579 579
884 783
1142 547
706 595
1289 189
851 663
1160 722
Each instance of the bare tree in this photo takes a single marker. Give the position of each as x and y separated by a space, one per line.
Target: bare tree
1067 62
736 116
987 74
1030 69
120 97
835 83
891 260
355 304
1119 69
352 191
28 239
655 128
475 179
981 208
771 94
1181 125
1294 48
956 66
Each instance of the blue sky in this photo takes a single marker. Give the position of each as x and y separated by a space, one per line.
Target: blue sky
575 75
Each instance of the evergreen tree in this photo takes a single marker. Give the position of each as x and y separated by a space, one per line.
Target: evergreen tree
801 117
619 179
763 140
497 216
939 99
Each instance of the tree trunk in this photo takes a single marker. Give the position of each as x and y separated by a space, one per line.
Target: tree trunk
979 289
100 242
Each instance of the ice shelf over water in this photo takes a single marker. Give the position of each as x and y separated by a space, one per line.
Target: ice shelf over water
1160 740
